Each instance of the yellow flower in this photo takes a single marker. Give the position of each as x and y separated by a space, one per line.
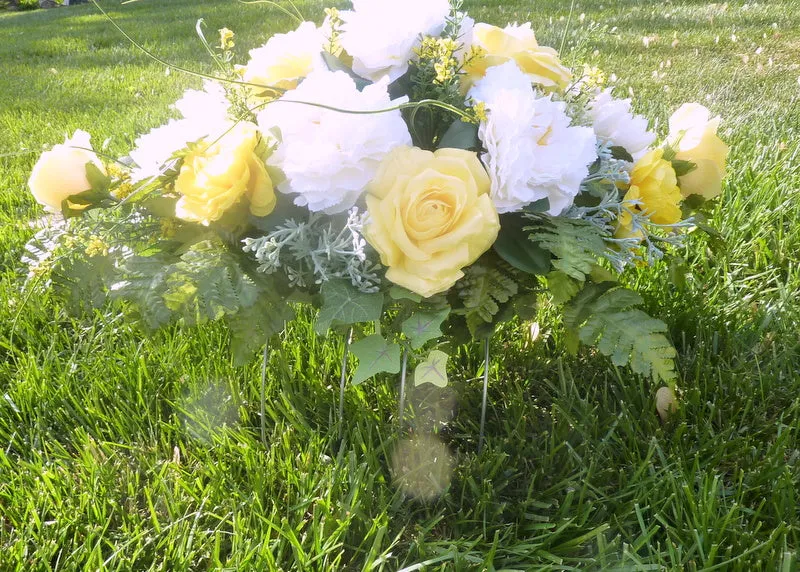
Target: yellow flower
215 177
653 191
61 172
226 39
430 216
517 43
694 137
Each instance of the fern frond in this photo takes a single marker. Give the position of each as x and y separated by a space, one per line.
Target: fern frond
576 244
483 290
604 315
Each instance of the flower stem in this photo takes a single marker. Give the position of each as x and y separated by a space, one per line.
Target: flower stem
485 394
402 407
342 380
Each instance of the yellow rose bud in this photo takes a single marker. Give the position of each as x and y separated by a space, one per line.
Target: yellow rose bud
694 137
430 216
655 187
214 178
61 172
518 43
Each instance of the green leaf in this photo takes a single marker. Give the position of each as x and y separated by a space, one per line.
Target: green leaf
683 167
513 246
605 317
251 327
400 293
432 370
424 326
620 153
343 304
335 64
99 181
575 244
460 135
375 355
483 291
562 287
537 207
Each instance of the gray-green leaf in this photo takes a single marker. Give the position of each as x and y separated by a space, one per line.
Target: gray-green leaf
375 355
344 305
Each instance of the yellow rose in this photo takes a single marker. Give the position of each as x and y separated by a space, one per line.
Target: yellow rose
430 216
694 137
518 43
655 187
61 172
214 178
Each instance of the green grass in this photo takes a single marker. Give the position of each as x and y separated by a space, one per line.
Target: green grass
125 452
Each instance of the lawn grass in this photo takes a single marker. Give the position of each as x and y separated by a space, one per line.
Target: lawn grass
125 452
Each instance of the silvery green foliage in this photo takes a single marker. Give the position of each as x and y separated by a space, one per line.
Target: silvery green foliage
318 250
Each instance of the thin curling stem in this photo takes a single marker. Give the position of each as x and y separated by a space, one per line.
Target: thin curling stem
342 380
485 394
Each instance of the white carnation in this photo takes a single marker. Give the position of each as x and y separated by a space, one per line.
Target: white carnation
328 157
532 150
205 114
381 36
614 124
286 58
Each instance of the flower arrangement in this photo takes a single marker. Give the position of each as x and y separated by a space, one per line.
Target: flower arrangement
417 184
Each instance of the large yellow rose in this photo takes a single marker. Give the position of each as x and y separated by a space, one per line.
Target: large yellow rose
653 191
216 176
61 172
517 43
430 216
694 137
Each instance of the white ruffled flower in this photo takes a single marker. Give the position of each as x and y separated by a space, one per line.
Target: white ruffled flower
614 124
532 150
286 58
205 114
328 157
381 36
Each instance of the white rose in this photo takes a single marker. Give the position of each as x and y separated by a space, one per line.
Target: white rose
328 157
532 152
61 172
381 36
613 123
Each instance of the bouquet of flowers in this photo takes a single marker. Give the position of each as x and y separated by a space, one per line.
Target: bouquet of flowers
418 183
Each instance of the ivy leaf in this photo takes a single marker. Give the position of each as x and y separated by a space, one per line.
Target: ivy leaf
460 135
375 355
424 326
251 327
514 247
335 64
344 305
432 370
400 293
620 153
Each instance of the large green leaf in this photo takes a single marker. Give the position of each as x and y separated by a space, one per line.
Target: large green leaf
514 247
375 355
343 305
461 135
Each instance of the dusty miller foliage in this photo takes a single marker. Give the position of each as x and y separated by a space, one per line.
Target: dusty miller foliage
317 250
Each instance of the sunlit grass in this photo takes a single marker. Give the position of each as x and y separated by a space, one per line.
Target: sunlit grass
121 451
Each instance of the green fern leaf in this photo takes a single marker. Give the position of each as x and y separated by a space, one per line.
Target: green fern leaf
576 244
605 316
483 291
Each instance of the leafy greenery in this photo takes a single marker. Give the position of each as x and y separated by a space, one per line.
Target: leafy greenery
482 291
125 452
375 355
432 370
604 316
576 245
344 305
423 326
